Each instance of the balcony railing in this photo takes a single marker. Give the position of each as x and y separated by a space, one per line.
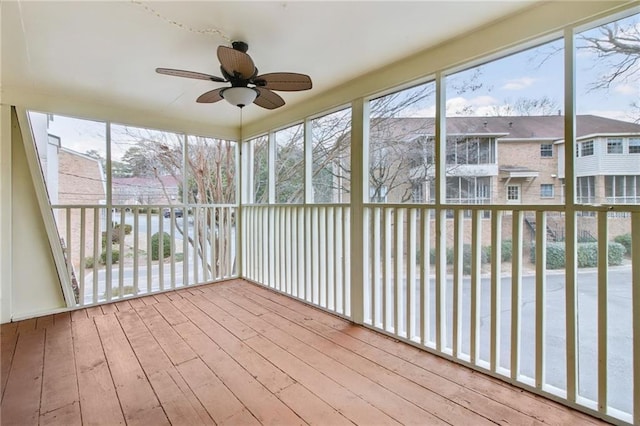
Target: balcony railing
474 285
130 258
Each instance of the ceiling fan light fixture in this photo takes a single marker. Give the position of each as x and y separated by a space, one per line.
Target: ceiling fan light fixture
239 96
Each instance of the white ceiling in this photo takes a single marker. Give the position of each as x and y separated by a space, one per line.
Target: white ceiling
108 51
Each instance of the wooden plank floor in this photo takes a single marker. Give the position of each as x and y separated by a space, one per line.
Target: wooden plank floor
236 353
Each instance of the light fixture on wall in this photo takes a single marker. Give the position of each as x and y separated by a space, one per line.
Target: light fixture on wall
239 96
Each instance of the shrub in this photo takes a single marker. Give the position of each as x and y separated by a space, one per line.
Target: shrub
127 229
115 256
555 255
115 238
89 262
587 255
155 246
616 253
625 240
507 250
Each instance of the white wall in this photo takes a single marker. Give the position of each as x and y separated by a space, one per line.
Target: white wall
5 213
33 285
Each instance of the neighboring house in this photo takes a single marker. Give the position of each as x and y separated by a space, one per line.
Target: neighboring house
508 160
146 190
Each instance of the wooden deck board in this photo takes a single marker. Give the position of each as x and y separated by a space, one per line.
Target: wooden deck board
236 353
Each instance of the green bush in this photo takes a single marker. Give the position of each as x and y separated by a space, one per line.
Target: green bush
127 229
89 262
155 246
507 250
115 256
115 238
625 240
555 255
587 255
616 253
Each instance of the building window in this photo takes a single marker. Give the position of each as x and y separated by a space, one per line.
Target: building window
546 190
586 148
585 189
513 193
468 190
614 146
622 189
546 150
634 145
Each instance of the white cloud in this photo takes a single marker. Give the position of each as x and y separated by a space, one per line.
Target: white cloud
480 105
627 89
519 83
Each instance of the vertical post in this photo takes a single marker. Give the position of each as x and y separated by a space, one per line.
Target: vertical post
359 155
635 313
308 162
271 161
541 289
440 185
570 287
109 219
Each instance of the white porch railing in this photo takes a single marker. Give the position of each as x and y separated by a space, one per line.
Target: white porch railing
199 246
476 284
302 251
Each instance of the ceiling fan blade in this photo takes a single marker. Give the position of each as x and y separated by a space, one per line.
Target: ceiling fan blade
284 81
189 74
236 63
211 96
267 99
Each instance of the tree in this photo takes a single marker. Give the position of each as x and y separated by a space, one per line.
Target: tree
210 179
618 47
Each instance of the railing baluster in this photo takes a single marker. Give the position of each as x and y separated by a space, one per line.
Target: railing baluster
97 243
474 351
83 230
136 250
386 267
603 264
68 244
121 247
346 265
329 254
160 249
149 250
458 258
196 242
337 258
411 273
377 305
425 265
308 247
315 249
185 246
173 248
322 254
398 246
516 291
288 233
214 237
496 242
541 289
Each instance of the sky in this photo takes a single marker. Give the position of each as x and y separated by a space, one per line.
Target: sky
532 74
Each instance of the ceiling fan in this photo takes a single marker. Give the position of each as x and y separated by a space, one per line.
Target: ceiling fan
246 85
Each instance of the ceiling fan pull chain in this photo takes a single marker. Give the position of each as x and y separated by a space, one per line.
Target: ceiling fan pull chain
208 31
